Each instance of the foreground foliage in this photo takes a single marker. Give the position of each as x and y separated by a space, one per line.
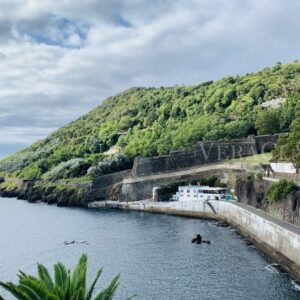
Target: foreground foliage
65 285
153 121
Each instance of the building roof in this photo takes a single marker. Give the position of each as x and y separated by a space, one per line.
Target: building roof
201 187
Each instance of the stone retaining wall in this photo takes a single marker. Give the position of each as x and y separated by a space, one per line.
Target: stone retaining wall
203 153
140 188
102 185
109 179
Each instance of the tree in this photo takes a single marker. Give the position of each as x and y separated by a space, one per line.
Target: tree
288 111
288 147
111 164
267 122
66 285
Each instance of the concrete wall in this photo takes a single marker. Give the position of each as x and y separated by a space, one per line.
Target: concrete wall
203 153
109 179
267 234
266 143
278 242
140 188
283 167
101 186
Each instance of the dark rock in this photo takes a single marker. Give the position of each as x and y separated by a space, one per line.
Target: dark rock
222 224
252 192
249 243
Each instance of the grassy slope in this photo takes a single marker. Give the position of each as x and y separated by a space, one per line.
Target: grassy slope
152 121
259 158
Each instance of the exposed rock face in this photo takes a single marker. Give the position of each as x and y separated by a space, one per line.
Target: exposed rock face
9 193
80 194
252 192
287 210
62 196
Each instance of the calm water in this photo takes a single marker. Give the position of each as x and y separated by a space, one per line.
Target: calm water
153 253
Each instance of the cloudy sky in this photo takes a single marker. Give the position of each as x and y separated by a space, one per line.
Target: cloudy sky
61 58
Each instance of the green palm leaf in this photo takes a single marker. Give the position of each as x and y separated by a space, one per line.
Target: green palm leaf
29 292
66 285
92 287
78 280
60 275
10 287
108 293
45 276
36 286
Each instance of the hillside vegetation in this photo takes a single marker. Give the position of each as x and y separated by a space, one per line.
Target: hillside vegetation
153 121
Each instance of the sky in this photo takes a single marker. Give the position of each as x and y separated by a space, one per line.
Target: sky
61 58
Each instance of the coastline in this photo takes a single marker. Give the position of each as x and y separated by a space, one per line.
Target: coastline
273 236
57 193
277 239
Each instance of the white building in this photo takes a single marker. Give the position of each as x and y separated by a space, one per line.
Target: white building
198 192
283 167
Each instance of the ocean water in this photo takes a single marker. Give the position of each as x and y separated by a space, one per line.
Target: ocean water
152 252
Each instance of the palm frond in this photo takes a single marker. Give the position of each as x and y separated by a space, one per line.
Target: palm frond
13 289
108 293
66 285
60 275
44 276
79 275
92 287
39 288
29 291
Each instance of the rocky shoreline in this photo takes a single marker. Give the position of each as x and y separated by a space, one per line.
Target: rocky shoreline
50 193
249 190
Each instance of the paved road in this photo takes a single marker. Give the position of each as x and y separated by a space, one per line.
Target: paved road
293 228
277 179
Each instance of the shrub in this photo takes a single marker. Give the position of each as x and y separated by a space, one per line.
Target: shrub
112 164
268 122
280 190
72 168
259 175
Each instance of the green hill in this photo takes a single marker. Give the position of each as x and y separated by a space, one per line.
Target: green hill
153 121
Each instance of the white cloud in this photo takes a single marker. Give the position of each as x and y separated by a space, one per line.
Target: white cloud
60 58
9 134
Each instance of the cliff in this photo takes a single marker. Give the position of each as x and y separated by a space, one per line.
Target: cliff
252 191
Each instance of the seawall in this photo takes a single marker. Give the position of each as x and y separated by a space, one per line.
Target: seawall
279 240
